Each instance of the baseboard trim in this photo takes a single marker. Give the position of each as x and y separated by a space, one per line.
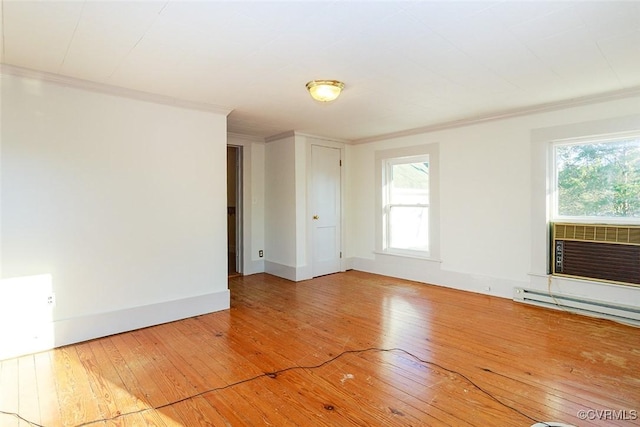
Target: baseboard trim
253 267
295 274
431 272
47 335
280 270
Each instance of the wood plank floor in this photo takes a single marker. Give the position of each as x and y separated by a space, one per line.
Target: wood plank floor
349 349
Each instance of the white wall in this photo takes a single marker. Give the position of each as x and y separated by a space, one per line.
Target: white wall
280 207
285 207
120 202
303 261
489 209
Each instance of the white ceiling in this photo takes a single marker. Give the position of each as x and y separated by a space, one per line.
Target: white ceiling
406 65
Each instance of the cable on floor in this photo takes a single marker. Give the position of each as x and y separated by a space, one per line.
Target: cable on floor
275 374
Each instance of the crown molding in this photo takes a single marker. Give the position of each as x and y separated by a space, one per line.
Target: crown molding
323 138
248 138
283 135
103 88
294 133
507 114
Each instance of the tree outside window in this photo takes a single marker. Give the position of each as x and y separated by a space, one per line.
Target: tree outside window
598 180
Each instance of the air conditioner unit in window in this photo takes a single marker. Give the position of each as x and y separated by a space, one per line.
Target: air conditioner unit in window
596 252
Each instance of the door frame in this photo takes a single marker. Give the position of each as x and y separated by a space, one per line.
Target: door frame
239 214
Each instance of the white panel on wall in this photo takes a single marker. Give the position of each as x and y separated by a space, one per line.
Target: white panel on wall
485 202
280 202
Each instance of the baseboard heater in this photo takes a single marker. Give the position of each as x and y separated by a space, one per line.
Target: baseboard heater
612 311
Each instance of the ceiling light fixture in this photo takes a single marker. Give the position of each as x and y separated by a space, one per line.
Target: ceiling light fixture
325 90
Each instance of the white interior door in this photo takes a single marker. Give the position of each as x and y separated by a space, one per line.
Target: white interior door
325 209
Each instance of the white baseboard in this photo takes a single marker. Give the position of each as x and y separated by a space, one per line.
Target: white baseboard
253 267
295 274
280 270
430 271
43 335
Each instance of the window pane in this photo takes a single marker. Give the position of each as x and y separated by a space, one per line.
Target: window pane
599 179
409 228
409 183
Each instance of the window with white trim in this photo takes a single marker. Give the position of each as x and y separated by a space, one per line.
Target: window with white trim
597 179
406 205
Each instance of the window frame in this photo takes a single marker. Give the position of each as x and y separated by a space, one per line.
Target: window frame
416 151
554 216
388 205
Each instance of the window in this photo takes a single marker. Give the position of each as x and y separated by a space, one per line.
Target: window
407 213
406 205
597 180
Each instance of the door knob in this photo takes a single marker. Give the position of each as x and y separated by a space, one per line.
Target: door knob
316 217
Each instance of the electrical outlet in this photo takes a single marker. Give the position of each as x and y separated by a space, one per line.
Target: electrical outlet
260 253
51 299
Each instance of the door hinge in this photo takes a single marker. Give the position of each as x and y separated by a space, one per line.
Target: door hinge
340 254
340 162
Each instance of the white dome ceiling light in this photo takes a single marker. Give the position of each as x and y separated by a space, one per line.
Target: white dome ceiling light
325 90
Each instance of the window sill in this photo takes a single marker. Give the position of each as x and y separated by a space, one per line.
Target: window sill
395 254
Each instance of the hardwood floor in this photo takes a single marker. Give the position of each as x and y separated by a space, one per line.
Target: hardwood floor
341 350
